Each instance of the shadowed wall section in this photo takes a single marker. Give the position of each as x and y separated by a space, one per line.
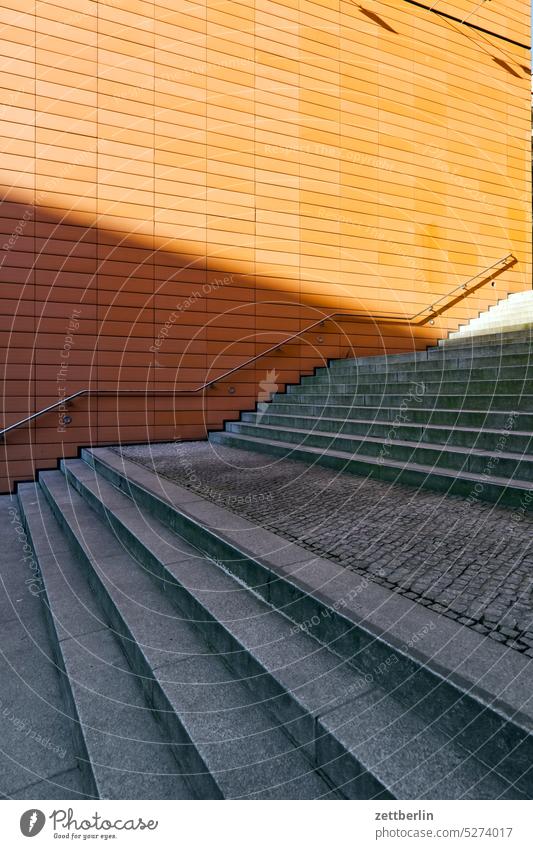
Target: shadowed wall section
184 188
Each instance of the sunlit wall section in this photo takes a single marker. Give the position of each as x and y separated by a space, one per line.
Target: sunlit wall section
125 220
277 183
230 192
180 212
320 200
66 186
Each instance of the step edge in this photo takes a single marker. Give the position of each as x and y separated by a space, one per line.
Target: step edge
375 461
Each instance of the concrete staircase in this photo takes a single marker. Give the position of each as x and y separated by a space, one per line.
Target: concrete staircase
190 672
457 418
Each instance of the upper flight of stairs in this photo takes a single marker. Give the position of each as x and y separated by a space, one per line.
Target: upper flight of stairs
512 314
187 672
457 418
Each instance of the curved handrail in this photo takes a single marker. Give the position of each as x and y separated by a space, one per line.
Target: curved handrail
417 319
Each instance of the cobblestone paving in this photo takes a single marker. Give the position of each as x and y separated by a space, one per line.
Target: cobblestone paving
466 559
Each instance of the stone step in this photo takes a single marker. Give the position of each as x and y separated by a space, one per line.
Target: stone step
505 306
494 341
518 317
455 401
322 598
469 418
449 359
525 295
498 348
421 372
445 385
482 438
503 490
521 315
473 460
225 741
121 750
488 328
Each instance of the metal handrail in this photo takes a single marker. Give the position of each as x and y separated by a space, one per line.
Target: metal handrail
391 317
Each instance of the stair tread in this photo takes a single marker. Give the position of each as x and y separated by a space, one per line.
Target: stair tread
456 449
418 370
407 383
387 423
310 672
285 401
371 460
447 397
215 707
119 731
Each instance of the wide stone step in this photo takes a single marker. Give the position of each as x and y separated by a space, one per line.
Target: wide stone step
482 332
487 487
514 318
225 740
512 321
423 372
497 348
493 341
441 401
462 361
483 438
473 460
520 313
475 419
121 749
445 385
363 624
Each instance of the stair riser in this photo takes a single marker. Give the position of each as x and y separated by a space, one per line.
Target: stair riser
464 439
411 415
90 782
522 470
487 403
285 706
187 757
436 481
473 723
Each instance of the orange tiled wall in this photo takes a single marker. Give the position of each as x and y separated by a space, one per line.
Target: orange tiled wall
186 183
